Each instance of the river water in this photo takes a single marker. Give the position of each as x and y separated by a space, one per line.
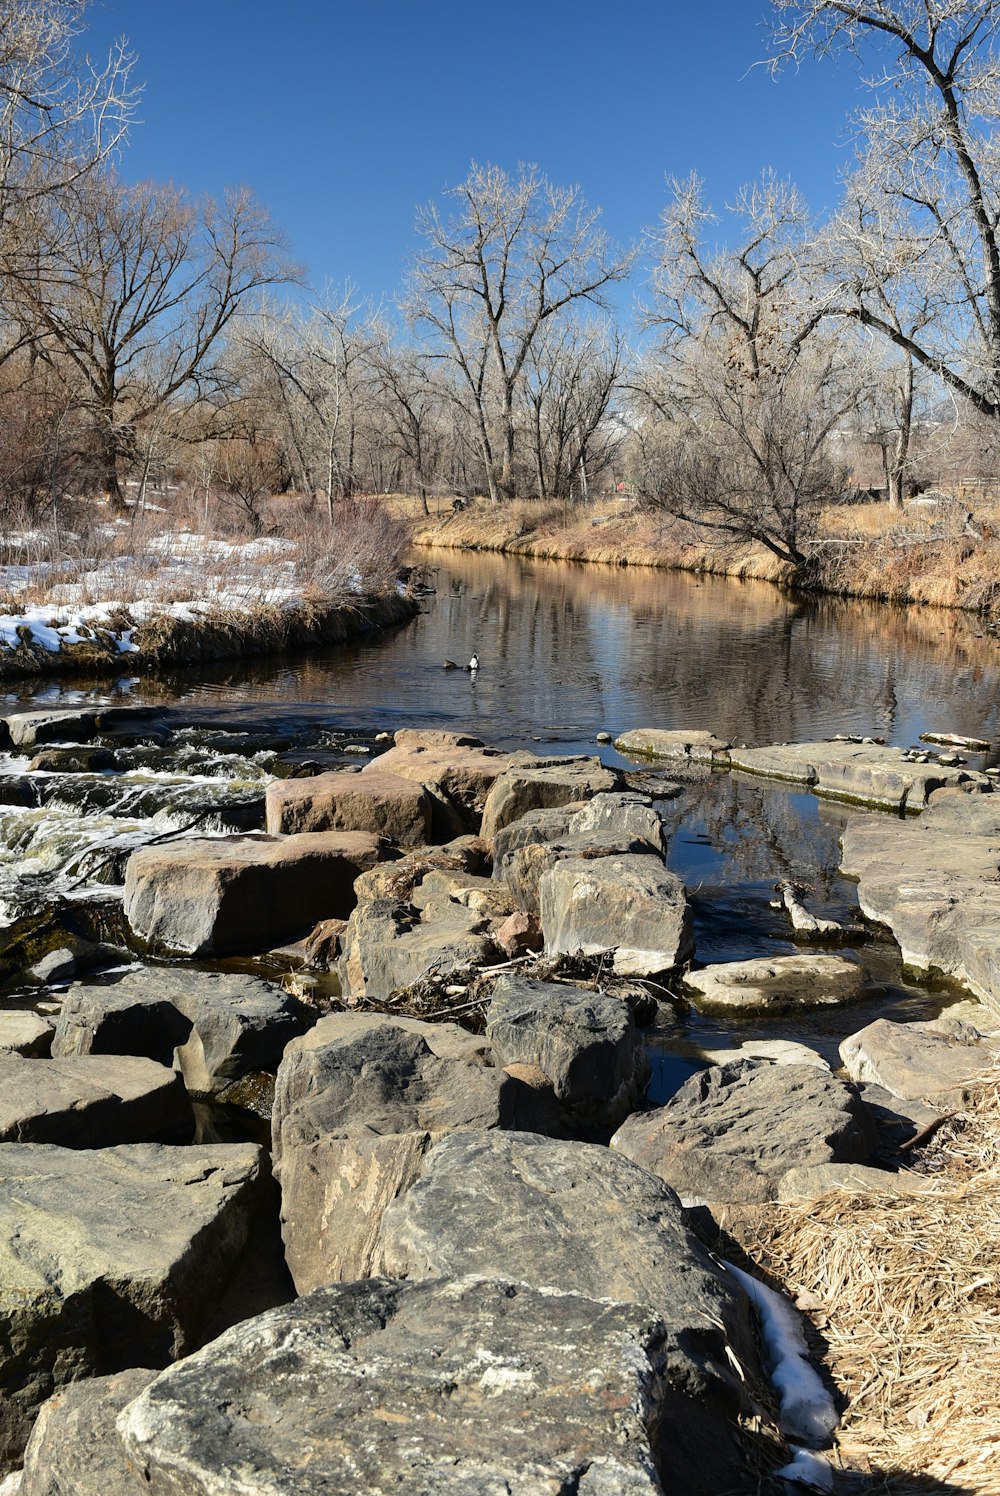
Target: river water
566 651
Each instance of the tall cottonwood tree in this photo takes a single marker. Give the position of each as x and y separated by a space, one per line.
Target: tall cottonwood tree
515 253
927 275
131 290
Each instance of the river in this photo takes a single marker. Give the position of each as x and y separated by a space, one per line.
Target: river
566 652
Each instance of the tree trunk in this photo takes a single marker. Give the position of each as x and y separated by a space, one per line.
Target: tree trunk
108 467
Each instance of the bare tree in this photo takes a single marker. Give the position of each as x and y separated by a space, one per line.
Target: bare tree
930 279
514 255
572 373
133 289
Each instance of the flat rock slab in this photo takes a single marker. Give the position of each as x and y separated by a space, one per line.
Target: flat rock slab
111 1258
382 803
73 726
230 894
216 1027
389 944
696 746
812 1182
577 1218
936 883
74 1445
731 1132
911 1061
93 1101
585 1042
866 773
358 1101
630 905
460 1388
544 785
463 776
774 983
25 1033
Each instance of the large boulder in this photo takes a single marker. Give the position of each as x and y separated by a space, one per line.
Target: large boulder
460 1388
399 878
389 944
610 823
74 1445
629 905
771 984
93 1101
917 1062
731 1132
867 773
585 1042
578 1218
460 776
216 1027
358 1101
542 785
111 1258
26 1033
385 804
230 894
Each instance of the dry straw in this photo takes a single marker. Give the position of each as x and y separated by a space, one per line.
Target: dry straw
905 1298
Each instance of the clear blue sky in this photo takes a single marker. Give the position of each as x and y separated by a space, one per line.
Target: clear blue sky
344 115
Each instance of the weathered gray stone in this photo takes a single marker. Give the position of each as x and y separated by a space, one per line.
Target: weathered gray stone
110 1258
913 1062
695 745
732 1131
585 1042
378 802
541 786
217 1027
625 817
76 760
482 896
229 894
774 983
387 945
92 1101
74 1449
399 878
630 905
25 1033
812 1182
936 883
777 1051
866 772
358 1101
464 1388
569 1216
28 728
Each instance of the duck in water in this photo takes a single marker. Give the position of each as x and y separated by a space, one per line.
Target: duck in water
473 664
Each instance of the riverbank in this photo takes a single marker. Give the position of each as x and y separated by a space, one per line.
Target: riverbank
929 553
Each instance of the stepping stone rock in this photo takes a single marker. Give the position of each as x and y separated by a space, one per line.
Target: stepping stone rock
223 895
911 1061
630 905
774 983
110 1258
731 1132
460 1388
93 1101
865 772
543 785
586 1043
580 1219
388 945
74 1445
461 776
25 1033
384 804
358 1101
696 746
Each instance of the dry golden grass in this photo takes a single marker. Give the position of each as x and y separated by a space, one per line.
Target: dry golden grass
905 1294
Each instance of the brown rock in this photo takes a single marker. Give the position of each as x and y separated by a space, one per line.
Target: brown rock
519 934
382 803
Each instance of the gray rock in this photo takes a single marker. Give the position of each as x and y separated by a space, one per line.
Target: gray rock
911 1061
543 785
467 1388
74 1449
626 817
578 1218
111 1258
92 1101
217 1027
868 773
695 746
223 895
732 1131
812 1182
55 968
460 776
28 728
585 1042
72 760
388 945
358 1101
775 983
25 1033
630 905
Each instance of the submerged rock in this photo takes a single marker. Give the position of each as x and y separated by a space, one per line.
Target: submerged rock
697 745
774 983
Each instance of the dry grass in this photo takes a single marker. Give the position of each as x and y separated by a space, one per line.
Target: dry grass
905 1294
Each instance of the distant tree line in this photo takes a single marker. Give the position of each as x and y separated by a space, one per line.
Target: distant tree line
149 337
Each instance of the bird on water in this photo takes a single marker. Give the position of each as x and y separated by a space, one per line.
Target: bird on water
473 663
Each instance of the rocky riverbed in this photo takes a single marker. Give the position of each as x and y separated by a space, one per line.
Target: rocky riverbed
312 1055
